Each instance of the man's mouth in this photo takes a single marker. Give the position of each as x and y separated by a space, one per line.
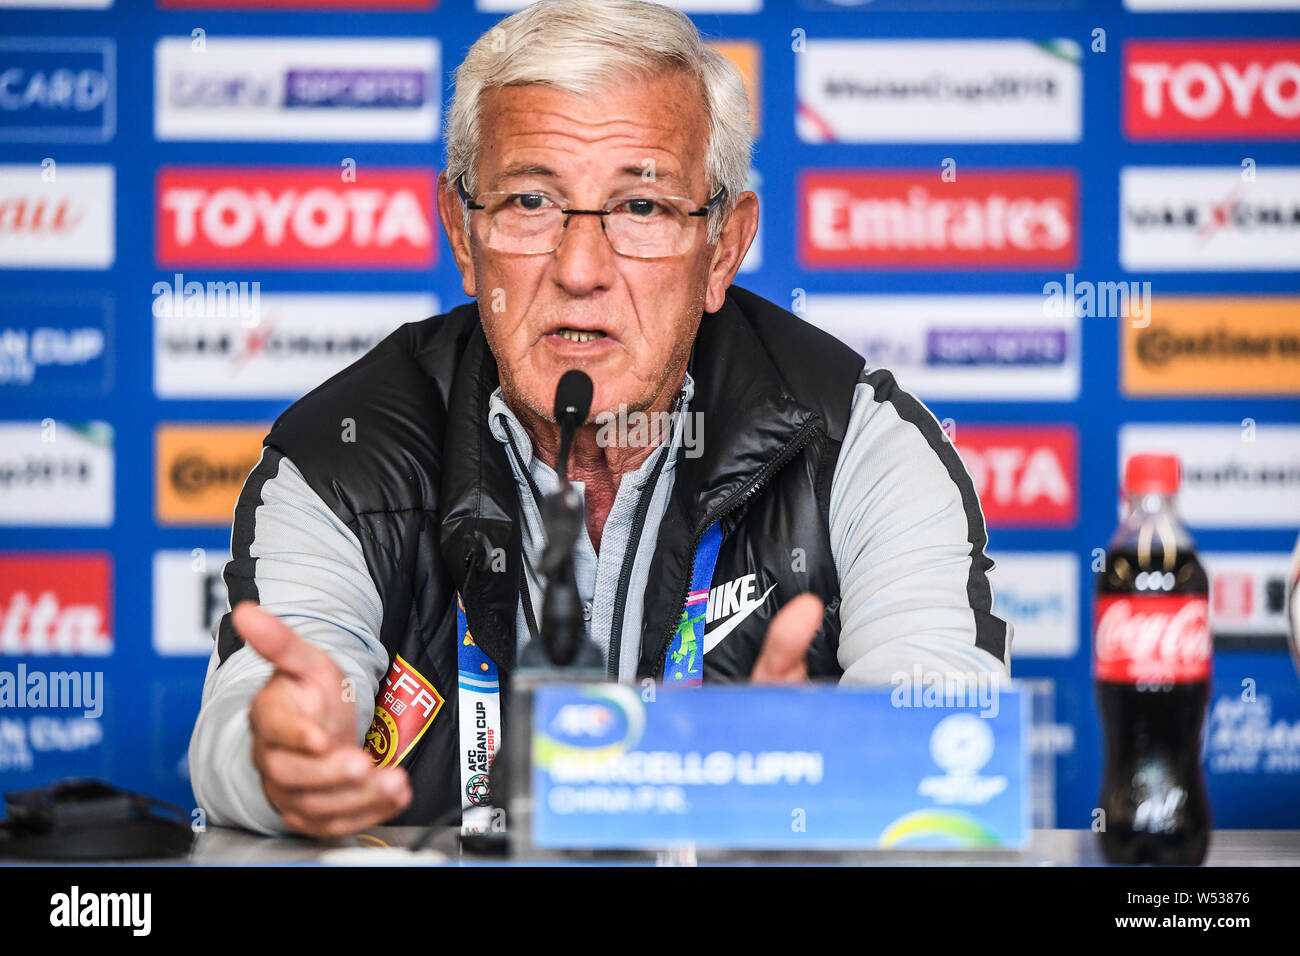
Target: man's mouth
580 335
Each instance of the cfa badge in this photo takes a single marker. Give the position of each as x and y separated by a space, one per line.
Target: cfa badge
406 707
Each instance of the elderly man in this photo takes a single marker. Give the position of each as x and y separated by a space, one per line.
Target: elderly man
594 198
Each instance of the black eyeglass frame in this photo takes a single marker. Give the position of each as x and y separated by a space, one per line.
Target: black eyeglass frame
469 202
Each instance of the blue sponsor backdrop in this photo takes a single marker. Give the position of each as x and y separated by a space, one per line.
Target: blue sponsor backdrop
152 700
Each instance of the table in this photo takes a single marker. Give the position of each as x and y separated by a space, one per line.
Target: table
224 846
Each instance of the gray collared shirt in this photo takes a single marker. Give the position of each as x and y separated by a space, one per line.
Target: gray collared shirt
597 573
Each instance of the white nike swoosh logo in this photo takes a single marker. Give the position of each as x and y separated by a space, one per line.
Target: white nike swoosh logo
714 637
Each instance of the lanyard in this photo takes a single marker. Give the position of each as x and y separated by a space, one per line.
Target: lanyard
684 663
479 696
480 690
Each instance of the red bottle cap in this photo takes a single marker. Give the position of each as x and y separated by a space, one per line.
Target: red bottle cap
1152 475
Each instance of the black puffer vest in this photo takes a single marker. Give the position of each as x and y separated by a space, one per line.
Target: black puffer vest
429 493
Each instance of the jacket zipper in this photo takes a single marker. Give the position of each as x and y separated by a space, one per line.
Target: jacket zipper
791 449
525 597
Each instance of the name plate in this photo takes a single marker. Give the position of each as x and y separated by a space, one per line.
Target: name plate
809 768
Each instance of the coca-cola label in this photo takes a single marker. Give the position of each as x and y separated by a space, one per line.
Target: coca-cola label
1163 638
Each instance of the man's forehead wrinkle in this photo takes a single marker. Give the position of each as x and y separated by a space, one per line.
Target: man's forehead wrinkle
586 111
526 153
524 113
632 142
522 169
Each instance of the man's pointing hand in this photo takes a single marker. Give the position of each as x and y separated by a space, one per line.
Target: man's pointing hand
304 737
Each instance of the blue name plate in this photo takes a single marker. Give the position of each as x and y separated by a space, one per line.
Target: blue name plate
777 768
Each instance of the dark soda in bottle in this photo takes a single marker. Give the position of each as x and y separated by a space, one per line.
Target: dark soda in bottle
1151 663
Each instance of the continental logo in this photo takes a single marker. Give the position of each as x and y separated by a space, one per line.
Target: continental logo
200 470
407 704
1215 346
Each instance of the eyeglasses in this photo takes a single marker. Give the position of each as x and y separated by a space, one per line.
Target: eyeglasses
645 226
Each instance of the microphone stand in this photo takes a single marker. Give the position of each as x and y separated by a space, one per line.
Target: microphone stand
563 643
562 653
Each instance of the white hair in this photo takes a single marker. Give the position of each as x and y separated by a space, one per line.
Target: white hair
586 46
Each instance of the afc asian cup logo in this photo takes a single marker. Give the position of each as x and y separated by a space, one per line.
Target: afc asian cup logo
478 790
961 744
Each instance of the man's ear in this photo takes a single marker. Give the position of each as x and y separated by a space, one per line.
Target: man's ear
733 242
451 213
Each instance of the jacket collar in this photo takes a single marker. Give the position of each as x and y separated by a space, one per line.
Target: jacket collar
748 413
752 425
479 507
505 425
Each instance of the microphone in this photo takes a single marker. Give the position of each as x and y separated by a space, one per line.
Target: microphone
563 637
572 405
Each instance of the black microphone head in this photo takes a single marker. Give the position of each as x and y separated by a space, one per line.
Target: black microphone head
573 397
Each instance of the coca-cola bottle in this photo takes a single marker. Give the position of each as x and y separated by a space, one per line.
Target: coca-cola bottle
1151 662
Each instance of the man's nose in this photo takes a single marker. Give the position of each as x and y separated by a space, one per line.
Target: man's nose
584 259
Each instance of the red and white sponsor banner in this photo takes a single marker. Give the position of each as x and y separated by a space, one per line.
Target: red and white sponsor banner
1212 89
913 218
364 5
1227 6
287 218
1162 638
1024 475
53 604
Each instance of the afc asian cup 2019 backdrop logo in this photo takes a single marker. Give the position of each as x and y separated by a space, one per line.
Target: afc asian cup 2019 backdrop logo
606 723
961 744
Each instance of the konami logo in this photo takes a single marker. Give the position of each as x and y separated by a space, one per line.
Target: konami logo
55 604
1024 475
296 218
914 218
1178 89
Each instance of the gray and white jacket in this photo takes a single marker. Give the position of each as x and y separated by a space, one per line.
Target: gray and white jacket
899 557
